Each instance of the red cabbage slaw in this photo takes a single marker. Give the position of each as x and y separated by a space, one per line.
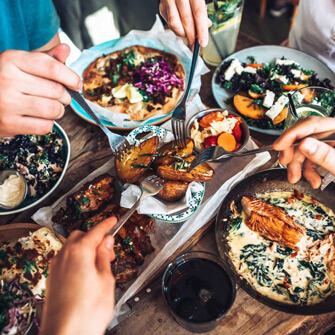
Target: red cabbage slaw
156 77
17 308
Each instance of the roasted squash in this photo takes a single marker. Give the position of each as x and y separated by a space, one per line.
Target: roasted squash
202 172
245 106
309 95
256 66
256 95
227 142
292 87
128 167
173 190
281 116
169 149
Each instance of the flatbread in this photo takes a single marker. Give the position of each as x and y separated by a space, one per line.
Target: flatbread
27 259
122 67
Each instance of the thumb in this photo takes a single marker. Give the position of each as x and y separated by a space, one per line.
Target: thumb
60 52
105 254
319 153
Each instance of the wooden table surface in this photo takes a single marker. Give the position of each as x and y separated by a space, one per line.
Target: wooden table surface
89 150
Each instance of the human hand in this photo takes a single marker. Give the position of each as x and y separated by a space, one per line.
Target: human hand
80 294
310 153
187 18
32 94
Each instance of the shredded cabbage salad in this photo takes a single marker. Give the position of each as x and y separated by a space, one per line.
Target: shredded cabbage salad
17 308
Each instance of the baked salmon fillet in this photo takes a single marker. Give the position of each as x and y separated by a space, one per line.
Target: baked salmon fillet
272 222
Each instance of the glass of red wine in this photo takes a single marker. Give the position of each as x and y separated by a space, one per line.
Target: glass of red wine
198 290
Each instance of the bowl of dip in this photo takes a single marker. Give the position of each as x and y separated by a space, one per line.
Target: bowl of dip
13 189
41 160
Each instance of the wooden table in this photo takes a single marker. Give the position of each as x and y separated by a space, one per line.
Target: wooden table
89 151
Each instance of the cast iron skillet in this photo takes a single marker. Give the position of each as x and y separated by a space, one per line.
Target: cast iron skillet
265 181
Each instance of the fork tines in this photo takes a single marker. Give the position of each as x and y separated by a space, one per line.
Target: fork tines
156 180
179 132
122 149
203 157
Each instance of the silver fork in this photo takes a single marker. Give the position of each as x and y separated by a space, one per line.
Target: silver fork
150 186
117 143
179 114
215 152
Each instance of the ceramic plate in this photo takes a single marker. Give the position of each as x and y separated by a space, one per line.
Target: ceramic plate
197 197
111 46
267 54
31 202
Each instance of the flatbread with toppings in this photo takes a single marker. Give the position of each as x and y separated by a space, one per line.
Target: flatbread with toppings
138 81
27 259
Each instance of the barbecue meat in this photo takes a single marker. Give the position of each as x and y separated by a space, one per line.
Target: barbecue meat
272 222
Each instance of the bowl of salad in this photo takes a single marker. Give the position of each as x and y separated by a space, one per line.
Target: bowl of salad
41 159
218 127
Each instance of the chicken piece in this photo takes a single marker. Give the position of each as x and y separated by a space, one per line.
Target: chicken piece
93 194
272 222
124 266
107 212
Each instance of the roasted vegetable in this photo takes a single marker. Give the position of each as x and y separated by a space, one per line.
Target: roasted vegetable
132 165
281 116
168 150
293 87
173 190
227 141
246 107
178 171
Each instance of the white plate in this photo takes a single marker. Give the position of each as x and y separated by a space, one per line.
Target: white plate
268 54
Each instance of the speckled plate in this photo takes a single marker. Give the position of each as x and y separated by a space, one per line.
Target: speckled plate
267 54
197 197
31 202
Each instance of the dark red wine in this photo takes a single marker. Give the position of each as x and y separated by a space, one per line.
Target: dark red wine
199 290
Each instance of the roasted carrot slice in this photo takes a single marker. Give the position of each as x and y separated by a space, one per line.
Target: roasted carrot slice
227 141
256 95
245 106
209 118
256 66
281 116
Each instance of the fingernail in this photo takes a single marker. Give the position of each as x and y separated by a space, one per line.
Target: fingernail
80 86
310 146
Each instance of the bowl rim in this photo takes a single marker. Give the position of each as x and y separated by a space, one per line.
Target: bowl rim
53 188
203 112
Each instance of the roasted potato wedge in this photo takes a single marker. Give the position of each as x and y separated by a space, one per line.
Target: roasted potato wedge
126 169
202 172
169 149
173 190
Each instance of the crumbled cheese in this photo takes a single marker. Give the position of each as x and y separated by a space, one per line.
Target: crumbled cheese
280 78
299 96
285 62
277 107
105 98
234 67
268 99
249 69
225 126
296 73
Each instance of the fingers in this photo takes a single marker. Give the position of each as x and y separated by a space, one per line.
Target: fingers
171 15
105 254
304 127
311 175
60 52
25 125
199 11
186 15
319 153
97 233
40 87
294 167
286 156
42 65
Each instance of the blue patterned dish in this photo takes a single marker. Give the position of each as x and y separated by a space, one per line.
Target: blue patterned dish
197 197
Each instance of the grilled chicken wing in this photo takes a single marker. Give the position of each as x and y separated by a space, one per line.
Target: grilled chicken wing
272 222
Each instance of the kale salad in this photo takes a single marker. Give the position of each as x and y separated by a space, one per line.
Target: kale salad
259 90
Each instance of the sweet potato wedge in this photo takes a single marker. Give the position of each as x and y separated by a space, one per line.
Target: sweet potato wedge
293 87
173 190
202 172
281 116
128 168
246 107
169 149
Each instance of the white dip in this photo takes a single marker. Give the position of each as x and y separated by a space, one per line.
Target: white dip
12 191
